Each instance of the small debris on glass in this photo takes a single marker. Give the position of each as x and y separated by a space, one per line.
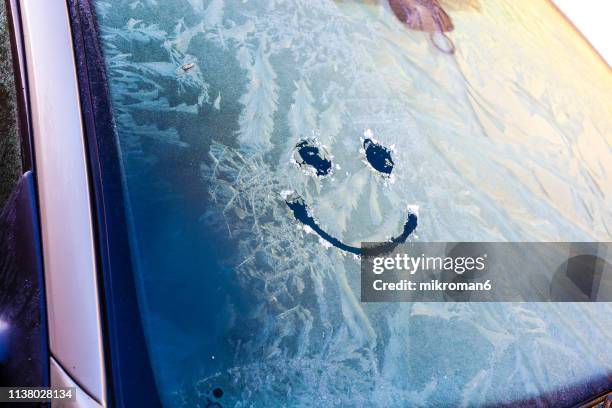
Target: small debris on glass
188 66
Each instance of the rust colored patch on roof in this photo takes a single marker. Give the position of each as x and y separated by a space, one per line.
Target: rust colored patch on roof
422 15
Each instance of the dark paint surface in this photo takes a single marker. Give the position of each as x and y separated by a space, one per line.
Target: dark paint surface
23 339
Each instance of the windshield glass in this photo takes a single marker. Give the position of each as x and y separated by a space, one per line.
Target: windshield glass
256 140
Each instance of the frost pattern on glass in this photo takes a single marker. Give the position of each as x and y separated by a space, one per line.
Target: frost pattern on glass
487 143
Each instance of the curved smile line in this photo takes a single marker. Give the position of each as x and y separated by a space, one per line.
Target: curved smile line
301 213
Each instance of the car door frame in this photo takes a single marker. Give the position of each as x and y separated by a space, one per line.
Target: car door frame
67 127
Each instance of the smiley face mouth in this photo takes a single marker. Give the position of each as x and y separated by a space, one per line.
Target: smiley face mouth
302 213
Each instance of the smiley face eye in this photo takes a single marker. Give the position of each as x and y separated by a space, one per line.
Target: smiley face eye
378 156
312 157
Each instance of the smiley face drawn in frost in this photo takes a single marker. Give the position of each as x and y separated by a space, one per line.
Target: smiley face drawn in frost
314 160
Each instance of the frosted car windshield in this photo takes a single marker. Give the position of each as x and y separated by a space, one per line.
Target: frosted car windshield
261 141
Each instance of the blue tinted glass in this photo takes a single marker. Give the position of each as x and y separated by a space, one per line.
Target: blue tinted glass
492 117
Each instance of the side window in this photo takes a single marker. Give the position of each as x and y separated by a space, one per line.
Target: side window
10 159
